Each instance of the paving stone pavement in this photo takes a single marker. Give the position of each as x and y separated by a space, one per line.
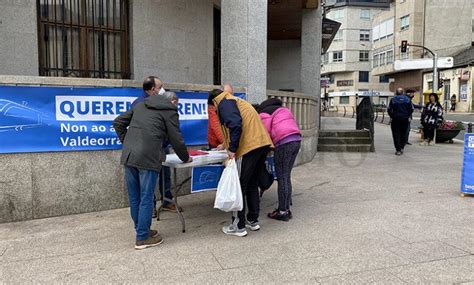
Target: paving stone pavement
358 218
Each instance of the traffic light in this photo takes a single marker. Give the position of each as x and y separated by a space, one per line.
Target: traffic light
404 46
440 84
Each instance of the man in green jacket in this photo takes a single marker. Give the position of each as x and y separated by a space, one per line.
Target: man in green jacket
142 130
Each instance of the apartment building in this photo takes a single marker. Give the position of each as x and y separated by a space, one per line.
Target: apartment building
347 63
445 27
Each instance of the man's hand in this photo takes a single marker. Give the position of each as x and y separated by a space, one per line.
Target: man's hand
220 147
231 154
190 160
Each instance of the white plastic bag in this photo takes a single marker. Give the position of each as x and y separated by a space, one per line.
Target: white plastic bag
229 193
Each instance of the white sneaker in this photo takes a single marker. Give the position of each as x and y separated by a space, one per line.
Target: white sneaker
233 230
253 226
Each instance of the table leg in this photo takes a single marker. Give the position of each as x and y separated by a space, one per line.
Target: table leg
162 201
180 215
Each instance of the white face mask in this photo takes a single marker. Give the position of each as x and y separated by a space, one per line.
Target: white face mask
162 91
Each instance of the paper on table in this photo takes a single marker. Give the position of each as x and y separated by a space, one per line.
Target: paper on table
215 155
173 159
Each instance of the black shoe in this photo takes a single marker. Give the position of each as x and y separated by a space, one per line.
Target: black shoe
290 214
408 143
277 215
398 153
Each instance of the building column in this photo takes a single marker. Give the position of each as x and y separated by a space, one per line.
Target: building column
244 46
311 40
311 33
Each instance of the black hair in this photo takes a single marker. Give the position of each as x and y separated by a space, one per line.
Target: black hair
212 95
149 83
435 96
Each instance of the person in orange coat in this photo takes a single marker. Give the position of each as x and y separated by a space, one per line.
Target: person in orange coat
214 131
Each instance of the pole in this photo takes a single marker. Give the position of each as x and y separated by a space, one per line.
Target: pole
435 74
435 68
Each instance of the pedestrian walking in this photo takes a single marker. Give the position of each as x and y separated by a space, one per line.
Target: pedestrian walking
142 131
453 103
286 136
431 118
246 140
400 110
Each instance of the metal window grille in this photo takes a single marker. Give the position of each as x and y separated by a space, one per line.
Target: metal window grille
84 38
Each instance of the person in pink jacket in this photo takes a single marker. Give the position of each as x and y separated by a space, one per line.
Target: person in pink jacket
286 136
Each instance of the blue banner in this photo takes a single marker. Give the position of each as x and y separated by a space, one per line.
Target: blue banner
42 119
467 180
206 178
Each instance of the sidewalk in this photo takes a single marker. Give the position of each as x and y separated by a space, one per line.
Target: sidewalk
358 218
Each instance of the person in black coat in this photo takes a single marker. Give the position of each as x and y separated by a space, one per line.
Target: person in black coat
431 118
400 110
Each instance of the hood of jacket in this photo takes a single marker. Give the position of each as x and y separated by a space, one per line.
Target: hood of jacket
159 102
401 99
269 106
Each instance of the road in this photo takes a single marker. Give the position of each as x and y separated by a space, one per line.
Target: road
466 118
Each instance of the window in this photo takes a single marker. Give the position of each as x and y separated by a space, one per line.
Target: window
344 100
364 35
365 14
332 78
337 56
390 27
382 59
384 79
337 14
405 23
339 35
376 61
79 38
376 33
363 76
389 56
325 58
363 55
383 31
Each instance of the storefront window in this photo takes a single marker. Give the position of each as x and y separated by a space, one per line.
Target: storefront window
344 100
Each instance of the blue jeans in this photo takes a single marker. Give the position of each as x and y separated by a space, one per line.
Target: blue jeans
141 186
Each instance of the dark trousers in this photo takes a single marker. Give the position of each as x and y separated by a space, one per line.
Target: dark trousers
285 156
399 133
428 133
408 131
252 163
167 186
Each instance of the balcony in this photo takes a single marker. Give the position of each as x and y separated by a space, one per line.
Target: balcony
363 3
